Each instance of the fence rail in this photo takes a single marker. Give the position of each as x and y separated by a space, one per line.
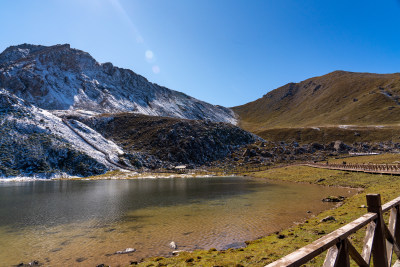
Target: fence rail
367 168
380 242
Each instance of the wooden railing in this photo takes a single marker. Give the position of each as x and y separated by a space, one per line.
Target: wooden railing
367 168
380 241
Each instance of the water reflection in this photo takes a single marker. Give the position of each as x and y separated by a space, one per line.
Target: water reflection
59 202
69 223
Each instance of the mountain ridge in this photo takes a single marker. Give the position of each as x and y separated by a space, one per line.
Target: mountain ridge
62 113
62 78
337 98
38 143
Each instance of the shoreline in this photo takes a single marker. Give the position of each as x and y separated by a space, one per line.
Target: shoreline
272 228
271 247
114 176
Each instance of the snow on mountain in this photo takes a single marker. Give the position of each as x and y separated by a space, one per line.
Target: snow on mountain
61 78
34 141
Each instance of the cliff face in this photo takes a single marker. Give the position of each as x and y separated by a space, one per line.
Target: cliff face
36 143
61 78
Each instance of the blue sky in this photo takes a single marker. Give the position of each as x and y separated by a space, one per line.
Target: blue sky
225 52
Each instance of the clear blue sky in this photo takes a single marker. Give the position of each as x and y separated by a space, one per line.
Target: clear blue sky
222 51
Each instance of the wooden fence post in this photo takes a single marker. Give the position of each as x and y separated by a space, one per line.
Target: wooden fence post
379 253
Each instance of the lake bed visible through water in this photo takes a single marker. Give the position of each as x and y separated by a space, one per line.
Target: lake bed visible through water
83 223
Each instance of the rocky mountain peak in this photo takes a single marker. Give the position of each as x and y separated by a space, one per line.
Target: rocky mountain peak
17 52
62 78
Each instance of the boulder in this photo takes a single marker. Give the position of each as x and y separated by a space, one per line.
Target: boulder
328 218
334 199
340 146
126 251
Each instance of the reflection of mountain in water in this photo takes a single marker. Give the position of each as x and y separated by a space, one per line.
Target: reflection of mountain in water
58 202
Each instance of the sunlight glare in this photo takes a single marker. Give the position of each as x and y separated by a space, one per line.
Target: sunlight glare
149 54
156 69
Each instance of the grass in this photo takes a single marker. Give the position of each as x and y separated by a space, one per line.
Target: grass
375 159
338 98
327 134
271 247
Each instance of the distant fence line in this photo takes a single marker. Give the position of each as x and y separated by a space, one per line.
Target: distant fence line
218 171
363 153
380 242
393 169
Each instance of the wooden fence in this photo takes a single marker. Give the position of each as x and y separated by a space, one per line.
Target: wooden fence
381 240
367 168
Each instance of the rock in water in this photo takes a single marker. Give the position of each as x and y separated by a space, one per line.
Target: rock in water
173 245
333 199
176 252
126 251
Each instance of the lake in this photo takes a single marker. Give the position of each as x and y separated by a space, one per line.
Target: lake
83 223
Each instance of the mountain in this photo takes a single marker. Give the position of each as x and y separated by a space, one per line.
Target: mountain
35 142
61 78
173 140
340 104
64 114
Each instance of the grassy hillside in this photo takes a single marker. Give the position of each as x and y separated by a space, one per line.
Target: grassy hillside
338 98
327 134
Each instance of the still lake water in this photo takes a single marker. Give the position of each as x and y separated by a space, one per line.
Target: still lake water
83 223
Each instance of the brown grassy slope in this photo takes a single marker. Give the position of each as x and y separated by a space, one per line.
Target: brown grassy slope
326 135
334 99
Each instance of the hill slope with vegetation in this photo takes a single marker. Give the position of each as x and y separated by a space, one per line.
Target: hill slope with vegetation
337 99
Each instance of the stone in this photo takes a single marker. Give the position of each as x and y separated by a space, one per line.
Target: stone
340 146
317 146
246 153
126 251
176 252
173 245
328 218
333 199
